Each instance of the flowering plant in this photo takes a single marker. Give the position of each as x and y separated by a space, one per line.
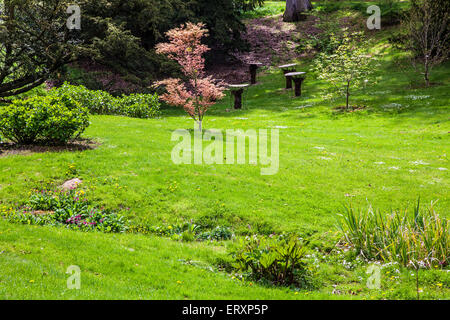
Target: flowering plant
66 208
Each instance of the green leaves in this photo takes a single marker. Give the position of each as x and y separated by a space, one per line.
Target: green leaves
68 209
50 119
418 238
139 105
101 102
348 66
34 43
279 261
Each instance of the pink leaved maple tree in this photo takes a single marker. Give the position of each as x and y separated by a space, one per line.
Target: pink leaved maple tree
199 92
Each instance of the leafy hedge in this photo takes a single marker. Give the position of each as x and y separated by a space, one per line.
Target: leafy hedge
51 119
101 102
139 105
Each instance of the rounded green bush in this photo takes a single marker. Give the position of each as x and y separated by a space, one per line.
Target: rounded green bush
51 119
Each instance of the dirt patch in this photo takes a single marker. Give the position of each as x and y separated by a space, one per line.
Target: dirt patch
229 69
274 41
8 149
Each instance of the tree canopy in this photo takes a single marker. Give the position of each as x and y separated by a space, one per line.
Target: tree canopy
34 43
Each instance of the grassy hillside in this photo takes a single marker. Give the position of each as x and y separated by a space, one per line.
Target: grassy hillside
388 155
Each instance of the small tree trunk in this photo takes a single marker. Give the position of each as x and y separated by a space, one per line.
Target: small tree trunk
427 73
348 94
295 8
199 122
427 80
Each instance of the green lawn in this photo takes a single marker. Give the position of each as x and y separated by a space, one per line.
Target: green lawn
387 155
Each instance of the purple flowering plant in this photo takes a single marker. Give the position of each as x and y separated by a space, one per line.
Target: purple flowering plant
71 209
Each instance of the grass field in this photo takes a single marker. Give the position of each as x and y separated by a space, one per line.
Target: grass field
387 155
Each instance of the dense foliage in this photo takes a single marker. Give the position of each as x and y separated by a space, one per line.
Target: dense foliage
101 102
148 20
50 119
279 261
34 43
125 32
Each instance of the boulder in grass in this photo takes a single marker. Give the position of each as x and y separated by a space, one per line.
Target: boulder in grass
71 184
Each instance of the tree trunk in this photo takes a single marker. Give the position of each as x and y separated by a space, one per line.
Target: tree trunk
348 95
426 73
295 8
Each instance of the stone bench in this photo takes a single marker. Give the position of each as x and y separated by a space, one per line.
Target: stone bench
236 91
288 68
298 78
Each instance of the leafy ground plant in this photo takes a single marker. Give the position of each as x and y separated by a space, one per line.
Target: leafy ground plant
420 238
277 260
187 231
70 209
